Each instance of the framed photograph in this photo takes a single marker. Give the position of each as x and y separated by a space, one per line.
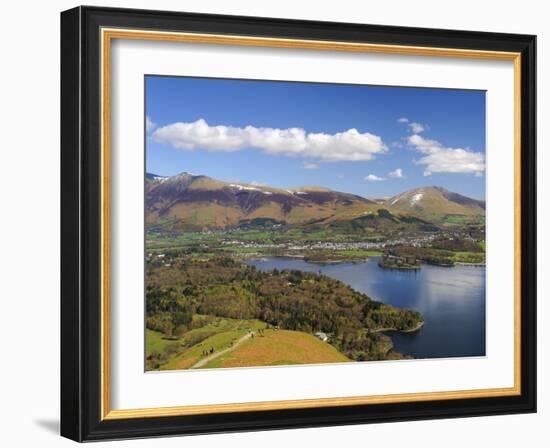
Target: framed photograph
277 224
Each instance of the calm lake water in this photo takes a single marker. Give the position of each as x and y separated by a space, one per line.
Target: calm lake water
451 300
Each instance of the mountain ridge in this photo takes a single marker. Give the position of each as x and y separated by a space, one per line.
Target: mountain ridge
189 201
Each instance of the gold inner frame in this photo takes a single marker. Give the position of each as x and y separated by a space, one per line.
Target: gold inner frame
107 35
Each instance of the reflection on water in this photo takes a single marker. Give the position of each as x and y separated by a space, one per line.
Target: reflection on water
451 300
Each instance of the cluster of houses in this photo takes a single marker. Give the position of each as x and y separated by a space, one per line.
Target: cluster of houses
415 241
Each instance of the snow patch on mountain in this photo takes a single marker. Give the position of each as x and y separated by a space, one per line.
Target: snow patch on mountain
244 187
416 198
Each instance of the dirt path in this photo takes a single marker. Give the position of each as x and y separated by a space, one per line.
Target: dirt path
206 360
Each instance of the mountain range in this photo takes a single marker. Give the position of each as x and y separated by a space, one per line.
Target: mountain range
196 202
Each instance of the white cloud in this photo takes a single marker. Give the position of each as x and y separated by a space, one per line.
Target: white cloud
397 173
149 125
441 159
417 128
350 145
373 178
311 166
396 144
424 145
414 126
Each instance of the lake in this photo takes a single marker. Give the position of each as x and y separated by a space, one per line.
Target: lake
451 300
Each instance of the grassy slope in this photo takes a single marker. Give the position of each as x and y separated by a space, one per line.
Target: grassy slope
273 347
218 334
156 342
279 347
213 215
435 207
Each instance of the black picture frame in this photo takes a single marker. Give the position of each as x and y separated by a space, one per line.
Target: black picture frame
81 224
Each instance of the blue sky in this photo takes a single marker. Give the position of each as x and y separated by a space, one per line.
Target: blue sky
369 140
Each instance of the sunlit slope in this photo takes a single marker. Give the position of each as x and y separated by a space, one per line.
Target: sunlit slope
192 202
279 347
436 200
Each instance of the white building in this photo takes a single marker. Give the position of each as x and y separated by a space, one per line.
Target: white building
322 336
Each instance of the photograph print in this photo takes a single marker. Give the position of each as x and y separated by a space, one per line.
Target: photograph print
293 223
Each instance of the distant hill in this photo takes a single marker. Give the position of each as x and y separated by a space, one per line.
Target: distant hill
426 201
195 202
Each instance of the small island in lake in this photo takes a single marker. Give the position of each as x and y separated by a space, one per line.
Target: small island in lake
393 262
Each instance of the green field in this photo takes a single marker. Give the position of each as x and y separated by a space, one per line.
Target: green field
157 342
469 257
183 352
